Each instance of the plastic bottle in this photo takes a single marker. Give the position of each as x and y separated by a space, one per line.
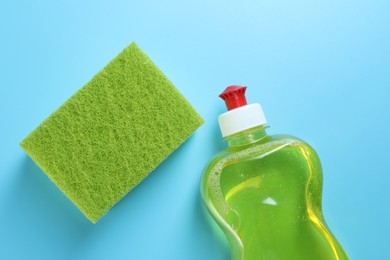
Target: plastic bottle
265 191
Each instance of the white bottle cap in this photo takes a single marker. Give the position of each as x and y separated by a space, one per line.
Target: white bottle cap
241 118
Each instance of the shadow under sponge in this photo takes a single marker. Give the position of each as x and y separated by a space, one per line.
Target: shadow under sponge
112 132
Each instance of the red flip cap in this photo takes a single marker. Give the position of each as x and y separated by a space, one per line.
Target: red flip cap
234 96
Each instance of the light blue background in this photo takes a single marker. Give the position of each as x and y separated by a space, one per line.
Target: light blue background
320 69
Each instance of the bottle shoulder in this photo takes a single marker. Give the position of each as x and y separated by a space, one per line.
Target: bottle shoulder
291 139
287 137
270 145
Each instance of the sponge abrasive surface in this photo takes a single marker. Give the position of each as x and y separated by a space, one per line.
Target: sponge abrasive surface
112 132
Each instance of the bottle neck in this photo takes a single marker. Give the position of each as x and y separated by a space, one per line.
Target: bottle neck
247 137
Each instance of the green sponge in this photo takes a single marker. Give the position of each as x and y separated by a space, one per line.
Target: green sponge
112 132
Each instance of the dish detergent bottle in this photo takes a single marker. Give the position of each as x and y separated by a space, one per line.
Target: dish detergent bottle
264 190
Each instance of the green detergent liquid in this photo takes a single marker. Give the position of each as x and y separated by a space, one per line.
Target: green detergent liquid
265 193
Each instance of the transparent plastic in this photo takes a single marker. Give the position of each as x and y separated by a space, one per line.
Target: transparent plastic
265 192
